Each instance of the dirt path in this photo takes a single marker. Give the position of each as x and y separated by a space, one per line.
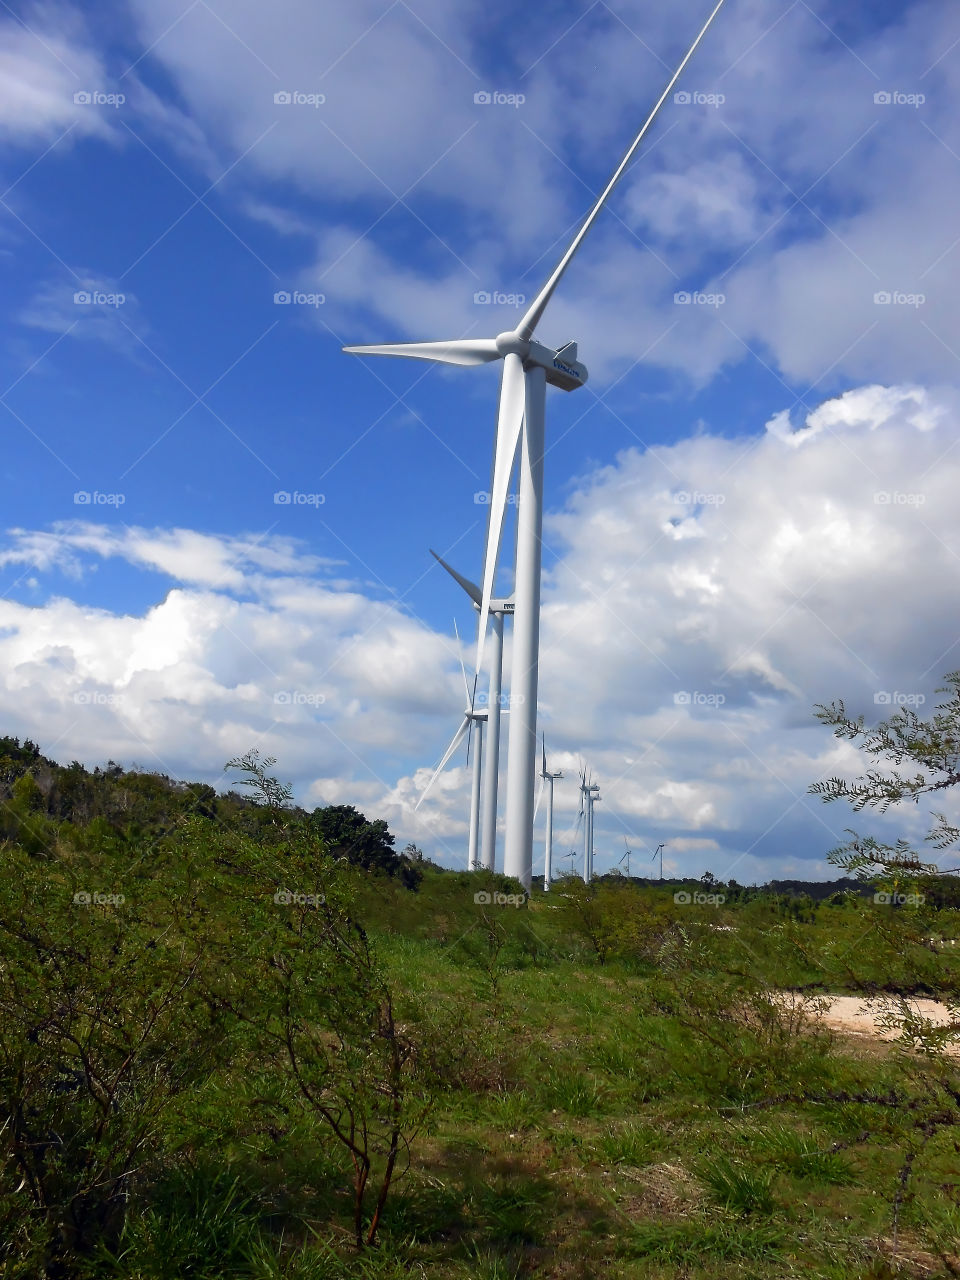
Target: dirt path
854 1016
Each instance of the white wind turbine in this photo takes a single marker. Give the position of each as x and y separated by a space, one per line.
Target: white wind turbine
589 796
471 717
527 367
499 609
547 779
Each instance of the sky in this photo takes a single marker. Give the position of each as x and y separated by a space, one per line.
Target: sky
216 527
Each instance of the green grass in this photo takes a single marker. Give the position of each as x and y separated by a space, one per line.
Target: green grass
642 1119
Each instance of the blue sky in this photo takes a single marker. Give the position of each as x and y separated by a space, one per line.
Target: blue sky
808 171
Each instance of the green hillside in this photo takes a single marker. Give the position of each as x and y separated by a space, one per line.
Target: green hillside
238 1039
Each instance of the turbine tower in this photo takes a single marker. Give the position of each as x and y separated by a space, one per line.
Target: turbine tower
527 368
589 796
471 717
499 609
547 779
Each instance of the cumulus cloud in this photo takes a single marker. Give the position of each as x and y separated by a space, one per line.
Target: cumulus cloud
49 73
703 597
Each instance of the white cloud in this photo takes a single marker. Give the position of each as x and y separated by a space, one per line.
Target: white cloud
682 670
44 65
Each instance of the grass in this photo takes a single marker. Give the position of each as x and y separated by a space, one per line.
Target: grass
644 1118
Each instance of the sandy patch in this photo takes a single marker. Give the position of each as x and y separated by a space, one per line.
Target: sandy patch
857 1016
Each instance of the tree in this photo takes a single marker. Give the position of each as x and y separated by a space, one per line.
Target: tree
932 746
299 971
267 790
349 835
101 1029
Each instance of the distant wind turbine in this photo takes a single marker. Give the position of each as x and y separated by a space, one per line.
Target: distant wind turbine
499 610
471 717
547 779
626 857
527 368
589 796
659 849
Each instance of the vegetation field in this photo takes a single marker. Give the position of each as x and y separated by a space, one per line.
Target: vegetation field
239 1040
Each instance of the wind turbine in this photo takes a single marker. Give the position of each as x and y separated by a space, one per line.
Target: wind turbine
499 609
527 368
626 857
589 795
659 849
471 717
547 779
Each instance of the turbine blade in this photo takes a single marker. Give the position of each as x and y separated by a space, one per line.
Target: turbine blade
463 669
457 739
543 741
531 319
471 588
509 422
536 807
465 351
